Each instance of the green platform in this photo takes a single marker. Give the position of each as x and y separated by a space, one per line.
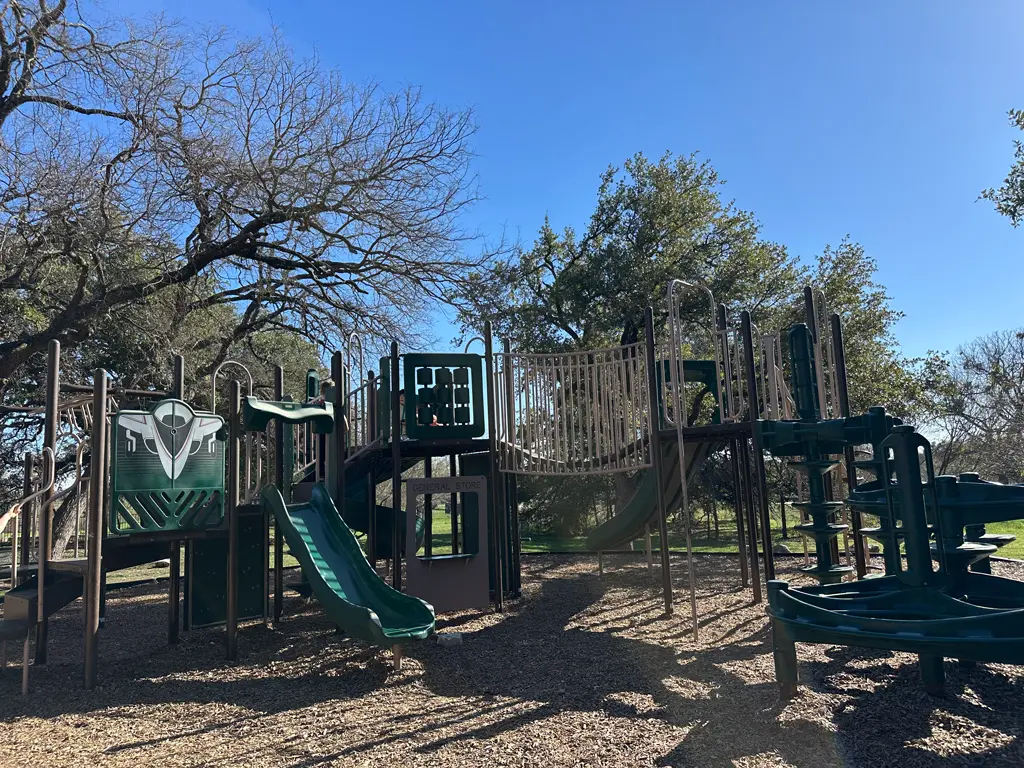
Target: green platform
350 592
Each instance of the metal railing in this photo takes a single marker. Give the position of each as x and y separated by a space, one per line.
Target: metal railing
572 412
12 517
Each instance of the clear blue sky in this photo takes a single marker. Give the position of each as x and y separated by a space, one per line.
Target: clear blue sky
881 120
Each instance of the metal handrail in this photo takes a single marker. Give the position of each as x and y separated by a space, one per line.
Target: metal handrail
679 405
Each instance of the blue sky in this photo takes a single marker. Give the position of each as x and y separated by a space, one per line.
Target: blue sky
881 120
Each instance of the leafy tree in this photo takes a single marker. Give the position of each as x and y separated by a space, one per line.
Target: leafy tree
653 222
658 221
1009 198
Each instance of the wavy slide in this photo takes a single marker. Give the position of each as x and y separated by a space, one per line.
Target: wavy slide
351 593
642 510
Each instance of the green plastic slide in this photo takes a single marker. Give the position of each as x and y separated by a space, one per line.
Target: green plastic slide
351 593
642 510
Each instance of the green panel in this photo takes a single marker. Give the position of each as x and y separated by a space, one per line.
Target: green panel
351 593
694 372
167 470
448 399
256 414
207 577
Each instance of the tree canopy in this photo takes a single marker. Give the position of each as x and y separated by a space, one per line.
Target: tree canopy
1009 197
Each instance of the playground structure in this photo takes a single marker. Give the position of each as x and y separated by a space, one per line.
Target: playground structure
956 610
306 474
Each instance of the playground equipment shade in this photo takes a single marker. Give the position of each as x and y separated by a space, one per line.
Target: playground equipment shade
642 510
351 593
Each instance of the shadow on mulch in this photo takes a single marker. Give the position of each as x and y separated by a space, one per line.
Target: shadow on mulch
576 643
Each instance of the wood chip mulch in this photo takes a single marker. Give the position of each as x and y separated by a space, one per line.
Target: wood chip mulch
583 670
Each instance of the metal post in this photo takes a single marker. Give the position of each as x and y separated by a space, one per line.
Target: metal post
341 427
94 548
751 517
45 545
755 439
396 471
371 485
819 376
284 484
498 529
174 586
453 471
428 511
721 323
859 553
656 456
234 457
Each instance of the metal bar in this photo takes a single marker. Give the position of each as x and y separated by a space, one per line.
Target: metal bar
284 483
499 532
174 575
751 519
396 470
453 471
755 439
138 394
94 546
371 486
656 460
859 550
679 406
428 510
44 530
234 449
341 431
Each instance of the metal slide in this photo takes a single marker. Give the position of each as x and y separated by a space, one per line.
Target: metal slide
642 510
351 593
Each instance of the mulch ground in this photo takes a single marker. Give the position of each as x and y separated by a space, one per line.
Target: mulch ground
583 670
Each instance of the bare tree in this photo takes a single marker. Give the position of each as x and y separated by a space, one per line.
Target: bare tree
977 407
178 157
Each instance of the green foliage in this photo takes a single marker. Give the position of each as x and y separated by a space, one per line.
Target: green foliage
878 374
1009 198
653 222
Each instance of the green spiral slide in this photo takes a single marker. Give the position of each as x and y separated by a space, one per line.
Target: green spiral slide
351 593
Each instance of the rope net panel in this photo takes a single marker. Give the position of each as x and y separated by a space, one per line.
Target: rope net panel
573 412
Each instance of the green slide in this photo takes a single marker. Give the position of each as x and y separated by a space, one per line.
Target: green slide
352 595
642 510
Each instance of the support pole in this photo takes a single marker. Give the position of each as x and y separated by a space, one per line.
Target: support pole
396 471
842 385
94 548
45 528
371 485
428 510
453 471
751 518
721 324
284 484
174 585
761 484
234 455
656 456
498 530
338 373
